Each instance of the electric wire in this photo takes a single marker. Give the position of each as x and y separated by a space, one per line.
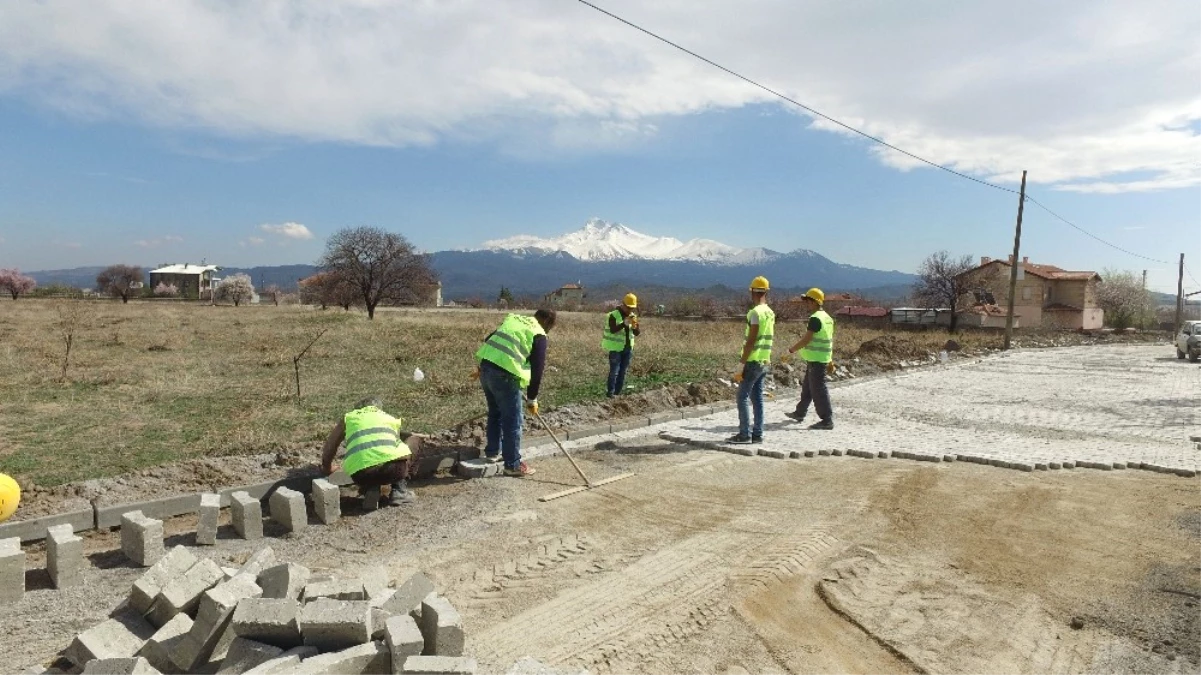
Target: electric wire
1090 234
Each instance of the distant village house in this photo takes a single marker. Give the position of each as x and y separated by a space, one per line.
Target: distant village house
568 295
193 281
1046 295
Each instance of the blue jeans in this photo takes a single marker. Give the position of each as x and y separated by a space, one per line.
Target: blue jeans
618 363
502 390
750 392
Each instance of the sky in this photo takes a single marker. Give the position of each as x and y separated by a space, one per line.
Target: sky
246 132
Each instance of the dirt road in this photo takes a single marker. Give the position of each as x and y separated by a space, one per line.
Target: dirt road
712 562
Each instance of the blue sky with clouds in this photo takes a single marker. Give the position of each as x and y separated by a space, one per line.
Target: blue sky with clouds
147 132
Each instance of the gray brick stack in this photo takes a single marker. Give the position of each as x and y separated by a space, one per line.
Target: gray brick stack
206 523
246 654
404 639
159 649
287 509
172 565
327 501
117 638
64 555
246 512
370 657
335 589
141 538
273 621
135 666
182 594
12 571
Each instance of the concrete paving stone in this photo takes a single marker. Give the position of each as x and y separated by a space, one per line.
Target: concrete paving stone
182 594
1054 466
837 452
585 432
287 509
1023 466
478 468
208 513
442 627
438 665
135 666
141 538
1195 439
773 453
274 621
408 596
165 641
327 501
1069 465
335 589
258 561
375 580
823 453
1040 466
379 622
173 564
35 529
245 654
662 417
1119 465
335 624
12 571
404 639
213 616
286 580
948 457
246 512
371 497
1185 473
743 450
285 664
117 638
64 556
370 657
796 454
627 425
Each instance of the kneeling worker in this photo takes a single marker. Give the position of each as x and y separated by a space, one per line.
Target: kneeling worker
375 453
512 358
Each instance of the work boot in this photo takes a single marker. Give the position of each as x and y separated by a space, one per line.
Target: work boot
520 471
739 439
824 425
400 495
795 416
756 439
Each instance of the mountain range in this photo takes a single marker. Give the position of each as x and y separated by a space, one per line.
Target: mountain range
598 254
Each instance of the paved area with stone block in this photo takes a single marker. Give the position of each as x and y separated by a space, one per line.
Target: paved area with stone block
64 556
246 513
141 538
207 517
12 571
1096 407
287 509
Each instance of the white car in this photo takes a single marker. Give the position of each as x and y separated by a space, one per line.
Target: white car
1188 342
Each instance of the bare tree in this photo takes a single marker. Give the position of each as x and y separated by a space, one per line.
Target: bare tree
379 265
15 283
236 288
327 288
1125 302
942 281
120 281
274 292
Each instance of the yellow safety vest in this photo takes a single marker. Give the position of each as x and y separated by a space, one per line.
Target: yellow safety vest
372 438
511 344
615 342
821 348
767 329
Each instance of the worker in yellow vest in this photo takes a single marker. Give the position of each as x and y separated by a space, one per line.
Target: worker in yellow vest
621 325
512 359
756 363
817 351
375 453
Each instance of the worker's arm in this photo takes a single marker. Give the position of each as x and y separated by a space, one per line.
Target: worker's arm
815 324
751 338
331 447
616 326
537 365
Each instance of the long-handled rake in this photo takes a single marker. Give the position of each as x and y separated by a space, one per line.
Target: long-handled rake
588 484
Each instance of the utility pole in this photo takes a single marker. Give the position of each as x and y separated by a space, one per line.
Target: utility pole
1179 295
1014 262
1144 280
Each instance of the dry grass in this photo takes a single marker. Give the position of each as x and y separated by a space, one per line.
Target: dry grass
150 383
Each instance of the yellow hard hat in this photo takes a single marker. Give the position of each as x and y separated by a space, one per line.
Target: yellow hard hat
759 284
630 300
10 496
816 295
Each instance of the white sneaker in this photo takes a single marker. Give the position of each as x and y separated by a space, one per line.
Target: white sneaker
492 458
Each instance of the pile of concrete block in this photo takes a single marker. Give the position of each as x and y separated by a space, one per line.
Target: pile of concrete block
187 614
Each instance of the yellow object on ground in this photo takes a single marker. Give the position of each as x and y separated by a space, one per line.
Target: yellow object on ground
10 496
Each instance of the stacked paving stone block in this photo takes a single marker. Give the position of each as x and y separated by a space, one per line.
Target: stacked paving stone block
141 538
206 524
64 555
12 571
187 615
287 509
246 512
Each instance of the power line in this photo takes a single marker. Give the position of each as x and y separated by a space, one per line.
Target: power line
793 101
1090 234
1190 275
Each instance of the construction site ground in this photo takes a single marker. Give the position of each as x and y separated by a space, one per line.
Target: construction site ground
707 561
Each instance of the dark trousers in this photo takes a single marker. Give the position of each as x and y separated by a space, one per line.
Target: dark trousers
619 362
387 473
813 390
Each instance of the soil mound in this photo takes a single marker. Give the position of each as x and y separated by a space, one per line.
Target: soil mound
891 348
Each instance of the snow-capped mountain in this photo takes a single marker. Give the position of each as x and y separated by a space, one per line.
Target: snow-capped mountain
601 241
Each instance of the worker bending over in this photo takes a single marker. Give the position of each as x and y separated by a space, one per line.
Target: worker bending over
621 325
511 359
375 453
817 351
756 362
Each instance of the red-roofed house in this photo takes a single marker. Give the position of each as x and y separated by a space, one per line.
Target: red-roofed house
567 296
876 317
1047 295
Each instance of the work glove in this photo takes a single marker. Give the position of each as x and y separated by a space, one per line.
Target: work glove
737 377
531 406
475 374
830 368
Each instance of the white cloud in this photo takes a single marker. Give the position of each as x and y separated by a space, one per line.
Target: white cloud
287 230
1082 93
158 241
